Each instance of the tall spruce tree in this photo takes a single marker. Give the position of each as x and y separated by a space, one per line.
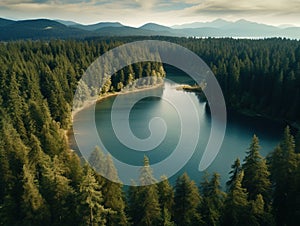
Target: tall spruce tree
166 201
91 209
97 160
212 200
148 197
236 208
187 202
114 197
283 165
33 206
235 170
256 175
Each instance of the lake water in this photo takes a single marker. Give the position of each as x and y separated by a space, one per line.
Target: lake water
239 132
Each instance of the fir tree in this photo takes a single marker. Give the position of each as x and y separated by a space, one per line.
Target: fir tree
166 200
213 200
33 207
91 210
256 174
236 207
187 201
114 197
236 169
283 165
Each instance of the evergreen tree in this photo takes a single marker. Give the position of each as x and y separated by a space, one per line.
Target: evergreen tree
114 197
283 165
256 174
56 190
97 160
166 200
187 202
213 199
236 207
33 207
236 169
148 197
134 204
91 210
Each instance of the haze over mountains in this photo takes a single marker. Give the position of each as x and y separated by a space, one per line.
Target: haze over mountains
48 29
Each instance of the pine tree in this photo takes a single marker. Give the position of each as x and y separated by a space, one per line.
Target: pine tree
256 174
166 200
148 197
97 160
56 190
187 201
261 216
13 156
33 206
283 166
212 201
236 169
236 208
114 197
134 204
91 210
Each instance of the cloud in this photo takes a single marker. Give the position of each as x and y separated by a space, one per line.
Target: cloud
224 7
168 12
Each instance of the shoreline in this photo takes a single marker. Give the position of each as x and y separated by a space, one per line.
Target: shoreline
134 90
69 133
252 114
111 94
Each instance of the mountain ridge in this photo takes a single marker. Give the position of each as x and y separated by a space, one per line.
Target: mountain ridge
49 29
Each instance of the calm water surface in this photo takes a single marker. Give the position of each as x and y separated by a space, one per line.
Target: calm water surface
239 132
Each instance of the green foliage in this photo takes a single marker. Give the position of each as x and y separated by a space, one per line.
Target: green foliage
42 182
236 208
236 169
283 163
143 201
213 200
91 210
256 174
187 202
148 197
34 208
166 200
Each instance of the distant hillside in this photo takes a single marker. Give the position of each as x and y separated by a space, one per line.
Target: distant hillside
97 26
60 29
130 31
38 29
213 24
155 27
5 22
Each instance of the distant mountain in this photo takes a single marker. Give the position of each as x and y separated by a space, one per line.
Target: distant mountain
291 32
94 27
155 27
5 22
49 29
67 22
240 28
38 29
218 23
285 26
130 31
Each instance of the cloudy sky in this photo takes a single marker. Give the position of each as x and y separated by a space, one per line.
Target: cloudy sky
167 12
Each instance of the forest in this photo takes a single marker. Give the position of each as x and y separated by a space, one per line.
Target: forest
43 182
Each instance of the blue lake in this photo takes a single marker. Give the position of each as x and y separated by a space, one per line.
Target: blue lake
239 132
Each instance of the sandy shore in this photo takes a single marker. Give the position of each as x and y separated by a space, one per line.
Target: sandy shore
107 95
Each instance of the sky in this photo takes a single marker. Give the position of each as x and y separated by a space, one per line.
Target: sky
165 12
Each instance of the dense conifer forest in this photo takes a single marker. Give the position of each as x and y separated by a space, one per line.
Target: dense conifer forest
43 182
